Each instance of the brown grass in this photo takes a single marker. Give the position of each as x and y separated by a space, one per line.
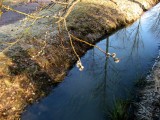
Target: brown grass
25 78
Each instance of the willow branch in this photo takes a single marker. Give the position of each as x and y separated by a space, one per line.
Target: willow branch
68 11
71 42
77 39
61 3
11 44
113 55
28 15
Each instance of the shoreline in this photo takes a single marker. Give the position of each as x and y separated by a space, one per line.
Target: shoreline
148 106
26 77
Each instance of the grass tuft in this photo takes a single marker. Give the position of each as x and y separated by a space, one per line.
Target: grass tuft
120 111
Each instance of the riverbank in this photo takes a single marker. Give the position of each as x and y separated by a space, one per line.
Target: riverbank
42 55
148 106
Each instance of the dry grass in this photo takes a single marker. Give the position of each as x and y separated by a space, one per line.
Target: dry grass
25 78
13 2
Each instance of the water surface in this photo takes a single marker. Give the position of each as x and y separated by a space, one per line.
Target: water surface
90 94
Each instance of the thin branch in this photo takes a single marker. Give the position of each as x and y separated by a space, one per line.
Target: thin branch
113 55
70 38
61 3
11 44
11 9
28 15
75 38
68 11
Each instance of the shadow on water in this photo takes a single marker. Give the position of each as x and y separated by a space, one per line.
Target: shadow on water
104 86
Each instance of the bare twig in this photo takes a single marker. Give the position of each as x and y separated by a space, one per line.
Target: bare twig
28 15
75 38
113 55
11 44
70 38
68 11
61 3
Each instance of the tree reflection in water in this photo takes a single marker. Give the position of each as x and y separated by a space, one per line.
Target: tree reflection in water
155 26
90 94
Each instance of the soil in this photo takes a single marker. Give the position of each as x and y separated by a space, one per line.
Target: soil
41 54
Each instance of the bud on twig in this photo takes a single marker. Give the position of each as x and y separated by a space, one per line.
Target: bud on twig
79 65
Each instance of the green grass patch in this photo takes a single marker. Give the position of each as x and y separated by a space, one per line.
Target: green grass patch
121 110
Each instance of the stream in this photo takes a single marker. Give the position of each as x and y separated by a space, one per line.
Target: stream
90 94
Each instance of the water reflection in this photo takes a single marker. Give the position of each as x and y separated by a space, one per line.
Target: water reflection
89 94
155 27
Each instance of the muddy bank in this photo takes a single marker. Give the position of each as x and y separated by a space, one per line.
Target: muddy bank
43 54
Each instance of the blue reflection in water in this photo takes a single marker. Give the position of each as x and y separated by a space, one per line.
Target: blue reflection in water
87 95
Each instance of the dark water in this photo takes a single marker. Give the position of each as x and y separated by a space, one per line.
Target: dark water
89 94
